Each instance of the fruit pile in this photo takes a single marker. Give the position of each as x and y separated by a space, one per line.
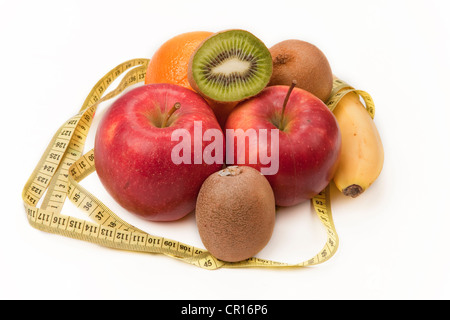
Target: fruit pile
231 129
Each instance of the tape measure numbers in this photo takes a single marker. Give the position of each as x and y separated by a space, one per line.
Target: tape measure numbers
63 166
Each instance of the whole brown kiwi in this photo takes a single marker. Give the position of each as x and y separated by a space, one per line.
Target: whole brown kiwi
235 213
304 62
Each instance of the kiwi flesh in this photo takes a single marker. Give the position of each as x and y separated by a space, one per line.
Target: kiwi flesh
235 213
304 62
230 66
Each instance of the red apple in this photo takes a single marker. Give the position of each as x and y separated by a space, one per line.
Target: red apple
134 145
309 141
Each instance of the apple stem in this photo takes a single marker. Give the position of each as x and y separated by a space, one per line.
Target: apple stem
175 107
294 83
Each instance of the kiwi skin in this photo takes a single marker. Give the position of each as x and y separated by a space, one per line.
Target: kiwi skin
235 213
304 62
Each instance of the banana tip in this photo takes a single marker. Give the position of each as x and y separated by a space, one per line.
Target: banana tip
353 190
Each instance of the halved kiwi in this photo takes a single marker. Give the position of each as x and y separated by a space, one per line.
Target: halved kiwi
230 66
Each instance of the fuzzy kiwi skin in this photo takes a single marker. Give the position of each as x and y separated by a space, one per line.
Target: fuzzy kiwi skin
304 62
235 214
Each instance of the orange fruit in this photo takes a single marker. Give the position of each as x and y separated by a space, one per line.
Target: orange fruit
170 62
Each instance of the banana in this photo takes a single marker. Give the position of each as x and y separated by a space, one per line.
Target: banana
362 154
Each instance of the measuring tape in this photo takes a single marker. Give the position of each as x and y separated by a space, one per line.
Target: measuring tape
63 166
341 88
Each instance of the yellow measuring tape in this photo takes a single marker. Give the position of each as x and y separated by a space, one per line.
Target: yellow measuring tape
341 88
63 166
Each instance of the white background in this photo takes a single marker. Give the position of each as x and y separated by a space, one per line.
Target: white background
393 238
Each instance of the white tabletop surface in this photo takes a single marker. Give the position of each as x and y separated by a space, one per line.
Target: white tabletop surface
393 238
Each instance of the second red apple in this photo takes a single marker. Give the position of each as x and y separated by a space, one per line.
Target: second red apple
309 140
